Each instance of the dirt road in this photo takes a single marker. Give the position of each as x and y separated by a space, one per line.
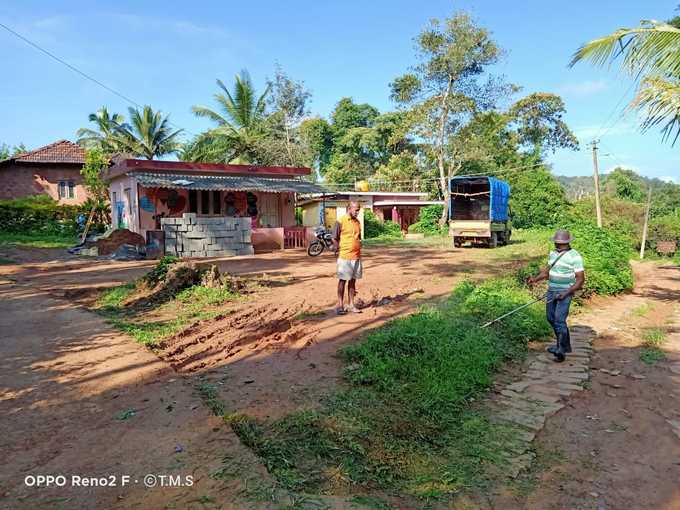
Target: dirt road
78 398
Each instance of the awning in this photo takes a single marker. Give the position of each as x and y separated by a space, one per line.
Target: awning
227 182
398 203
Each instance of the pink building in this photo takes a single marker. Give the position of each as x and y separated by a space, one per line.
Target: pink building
142 192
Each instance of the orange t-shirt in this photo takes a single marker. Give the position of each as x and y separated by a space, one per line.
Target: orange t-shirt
349 237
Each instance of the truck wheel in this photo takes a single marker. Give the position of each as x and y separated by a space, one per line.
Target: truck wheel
493 241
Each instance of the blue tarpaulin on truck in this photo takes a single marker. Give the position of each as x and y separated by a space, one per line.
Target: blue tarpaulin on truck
477 186
500 194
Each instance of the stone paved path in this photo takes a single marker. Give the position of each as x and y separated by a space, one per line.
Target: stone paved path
540 393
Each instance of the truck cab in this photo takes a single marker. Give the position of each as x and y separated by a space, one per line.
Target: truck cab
478 211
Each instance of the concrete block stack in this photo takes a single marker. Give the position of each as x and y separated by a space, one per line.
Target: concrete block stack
194 236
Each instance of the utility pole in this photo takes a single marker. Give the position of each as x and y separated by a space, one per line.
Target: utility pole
644 229
596 178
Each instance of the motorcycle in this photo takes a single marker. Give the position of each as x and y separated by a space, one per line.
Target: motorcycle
323 240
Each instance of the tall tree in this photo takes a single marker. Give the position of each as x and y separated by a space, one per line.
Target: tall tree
288 102
149 134
106 135
240 124
650 53
444 87
538 118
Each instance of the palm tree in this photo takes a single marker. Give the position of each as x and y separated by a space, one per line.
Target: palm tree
106 137
651 54
149 134
240 123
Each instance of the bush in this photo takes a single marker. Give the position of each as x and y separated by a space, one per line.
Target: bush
664 228
621 217
38 214
606 257
428 221
373 227
537 199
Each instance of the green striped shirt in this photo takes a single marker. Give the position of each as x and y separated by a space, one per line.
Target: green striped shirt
563 274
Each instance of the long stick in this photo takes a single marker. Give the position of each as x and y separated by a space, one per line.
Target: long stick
515 310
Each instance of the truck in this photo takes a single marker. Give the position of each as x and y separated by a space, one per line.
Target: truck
479 211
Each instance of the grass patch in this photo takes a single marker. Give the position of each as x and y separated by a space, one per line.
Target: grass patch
211 398
404 421
642 310
651 352
37 240
651 355
169 316
654 337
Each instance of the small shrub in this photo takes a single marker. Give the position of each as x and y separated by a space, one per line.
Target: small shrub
428 221
158 273
374 228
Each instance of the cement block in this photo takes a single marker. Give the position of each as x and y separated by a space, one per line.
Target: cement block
246 236
195 234
246 250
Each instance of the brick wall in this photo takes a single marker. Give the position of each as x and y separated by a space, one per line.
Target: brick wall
19 180
194 236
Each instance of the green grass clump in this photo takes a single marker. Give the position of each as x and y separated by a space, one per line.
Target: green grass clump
113 298
160 270
405 422
651 352
651 355
654 337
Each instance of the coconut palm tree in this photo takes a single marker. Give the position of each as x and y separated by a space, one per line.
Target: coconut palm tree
149 134
651 54
106 136
240 124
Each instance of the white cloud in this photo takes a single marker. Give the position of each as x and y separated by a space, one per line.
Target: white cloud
584 88
671 179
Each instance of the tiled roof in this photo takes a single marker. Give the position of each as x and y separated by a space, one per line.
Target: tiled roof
62 151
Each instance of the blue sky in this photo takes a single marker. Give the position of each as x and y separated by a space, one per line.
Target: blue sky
168 54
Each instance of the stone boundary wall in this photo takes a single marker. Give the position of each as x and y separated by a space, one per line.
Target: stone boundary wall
195 236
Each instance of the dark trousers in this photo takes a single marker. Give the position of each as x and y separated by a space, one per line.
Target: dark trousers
556 312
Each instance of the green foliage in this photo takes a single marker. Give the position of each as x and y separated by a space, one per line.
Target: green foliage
651 351
428 221
676 258
374 228
664 228
621 217
39 215
624 184
404 422
539 123
7 152
536 199
160 270
606 258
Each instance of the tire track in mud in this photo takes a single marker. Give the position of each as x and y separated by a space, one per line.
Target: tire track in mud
207 343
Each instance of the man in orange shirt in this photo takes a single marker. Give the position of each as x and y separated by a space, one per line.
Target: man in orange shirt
347 242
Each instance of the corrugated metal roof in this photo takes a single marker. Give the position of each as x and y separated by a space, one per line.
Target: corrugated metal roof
226 182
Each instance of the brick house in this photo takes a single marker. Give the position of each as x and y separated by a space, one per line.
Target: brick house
52 170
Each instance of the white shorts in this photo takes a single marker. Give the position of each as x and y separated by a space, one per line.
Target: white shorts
349 269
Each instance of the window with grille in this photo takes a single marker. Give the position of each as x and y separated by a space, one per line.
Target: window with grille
67 189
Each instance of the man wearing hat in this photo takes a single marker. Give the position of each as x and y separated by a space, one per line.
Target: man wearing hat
565 275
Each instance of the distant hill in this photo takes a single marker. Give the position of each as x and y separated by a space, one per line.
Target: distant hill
582 186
